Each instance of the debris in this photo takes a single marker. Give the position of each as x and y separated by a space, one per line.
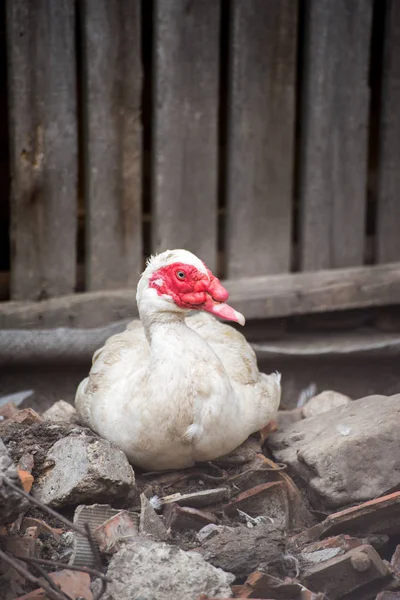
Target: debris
26 479
380 516
388 596
26 462
395 560
261 585
7 410
197 499
208 531
150 522
242 454
148 569
22 547
42 527
11 503
61 412
359 569
184 518
285 418
84 469
16 398
92 517
267 500
327 400
118 528
346 455
27 416
74 583
244 550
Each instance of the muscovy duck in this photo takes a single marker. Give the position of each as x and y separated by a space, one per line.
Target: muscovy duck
177 388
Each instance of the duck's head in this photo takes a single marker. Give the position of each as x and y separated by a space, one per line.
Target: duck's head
177 281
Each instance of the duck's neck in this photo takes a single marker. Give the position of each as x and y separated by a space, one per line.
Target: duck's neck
156 323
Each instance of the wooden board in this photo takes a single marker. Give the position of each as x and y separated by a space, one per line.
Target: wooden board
262 47
334 118
388 238
256 298
43 147
184 169
112 142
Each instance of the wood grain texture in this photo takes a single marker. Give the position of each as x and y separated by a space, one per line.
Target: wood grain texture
256 297
112 142
184 174
261 114
43 147
388 214
333 152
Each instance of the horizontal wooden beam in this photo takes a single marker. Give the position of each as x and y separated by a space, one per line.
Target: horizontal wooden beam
257 297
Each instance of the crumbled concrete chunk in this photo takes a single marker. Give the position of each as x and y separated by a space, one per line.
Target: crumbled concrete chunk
147 569
82 469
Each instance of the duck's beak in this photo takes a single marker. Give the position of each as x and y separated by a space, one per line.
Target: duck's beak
222 310
216 303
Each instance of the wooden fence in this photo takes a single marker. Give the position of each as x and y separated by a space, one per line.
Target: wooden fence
263 135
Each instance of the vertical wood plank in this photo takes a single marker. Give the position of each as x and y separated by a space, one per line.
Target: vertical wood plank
333 151
388 238
184 178
43 147
260 136
112 142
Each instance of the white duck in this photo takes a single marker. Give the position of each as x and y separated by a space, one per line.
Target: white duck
175 389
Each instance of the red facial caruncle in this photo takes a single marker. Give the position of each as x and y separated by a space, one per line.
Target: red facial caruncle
192 289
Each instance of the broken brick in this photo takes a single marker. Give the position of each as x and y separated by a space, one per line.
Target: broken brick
73 583
381 516
120 527
27 416
184 518
358 569
268 500
24 547
8 410
42 527
261 585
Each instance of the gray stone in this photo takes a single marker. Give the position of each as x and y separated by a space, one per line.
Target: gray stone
11 502
153 570
242 550
323 402
348 454
61 412
82 469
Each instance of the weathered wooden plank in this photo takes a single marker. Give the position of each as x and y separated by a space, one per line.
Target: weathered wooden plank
257 297
112 142
333 152
388 214
43 147
260 136
184 173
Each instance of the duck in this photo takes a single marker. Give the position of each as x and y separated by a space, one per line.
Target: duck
179 386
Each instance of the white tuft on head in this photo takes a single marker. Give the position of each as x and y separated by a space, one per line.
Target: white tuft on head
172 256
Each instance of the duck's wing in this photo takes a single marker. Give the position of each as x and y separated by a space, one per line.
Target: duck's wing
122 355
239 361
231 347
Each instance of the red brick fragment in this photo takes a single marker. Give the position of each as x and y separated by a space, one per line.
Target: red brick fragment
381 516
74 583
184 518
112 532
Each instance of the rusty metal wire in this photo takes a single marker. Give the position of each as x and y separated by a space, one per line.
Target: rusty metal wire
52 590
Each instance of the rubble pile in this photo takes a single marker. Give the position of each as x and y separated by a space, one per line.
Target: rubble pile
308 509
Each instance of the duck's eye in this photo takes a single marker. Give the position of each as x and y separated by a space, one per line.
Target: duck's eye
181 274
